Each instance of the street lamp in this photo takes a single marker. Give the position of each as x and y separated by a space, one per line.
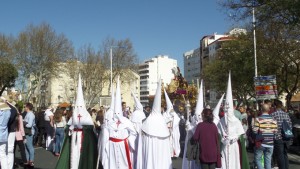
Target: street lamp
254 39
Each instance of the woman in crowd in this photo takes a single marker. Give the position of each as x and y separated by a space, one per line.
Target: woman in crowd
206 135
20 136
48 116
59 125
99 120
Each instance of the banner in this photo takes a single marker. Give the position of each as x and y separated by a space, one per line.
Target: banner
265 87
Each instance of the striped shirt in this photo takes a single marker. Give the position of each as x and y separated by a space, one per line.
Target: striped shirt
279 116
267 126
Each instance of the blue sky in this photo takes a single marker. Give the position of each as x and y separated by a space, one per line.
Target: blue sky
169 27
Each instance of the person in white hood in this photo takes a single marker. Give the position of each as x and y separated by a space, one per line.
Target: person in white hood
156 144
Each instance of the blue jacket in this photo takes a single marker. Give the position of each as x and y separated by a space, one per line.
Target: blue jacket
4 118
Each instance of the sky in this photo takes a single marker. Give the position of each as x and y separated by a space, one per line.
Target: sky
155 27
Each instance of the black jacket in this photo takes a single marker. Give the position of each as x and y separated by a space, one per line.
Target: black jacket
12 123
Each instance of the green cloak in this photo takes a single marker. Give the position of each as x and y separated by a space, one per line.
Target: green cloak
89 153
244 156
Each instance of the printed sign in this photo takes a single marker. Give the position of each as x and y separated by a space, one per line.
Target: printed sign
265 87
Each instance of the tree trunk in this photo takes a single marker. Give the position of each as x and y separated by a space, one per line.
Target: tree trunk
2 90
288 100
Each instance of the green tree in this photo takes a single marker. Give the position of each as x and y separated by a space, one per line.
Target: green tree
281 48
38 51
235 56
8 75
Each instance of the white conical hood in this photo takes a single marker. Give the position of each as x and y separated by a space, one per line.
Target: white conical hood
229 100
138 114
217 110
169 103
200 104
137 103
155 124
80 115
118 100
110 112
234 125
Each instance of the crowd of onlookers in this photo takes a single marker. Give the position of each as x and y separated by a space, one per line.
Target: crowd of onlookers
23 128
265 130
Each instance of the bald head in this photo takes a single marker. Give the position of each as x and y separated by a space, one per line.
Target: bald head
265 108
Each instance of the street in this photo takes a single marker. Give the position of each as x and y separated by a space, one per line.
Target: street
46 160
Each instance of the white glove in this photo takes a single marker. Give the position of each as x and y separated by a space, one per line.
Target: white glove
24 141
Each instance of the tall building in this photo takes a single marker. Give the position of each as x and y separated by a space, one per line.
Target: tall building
192 64
209 46
149 71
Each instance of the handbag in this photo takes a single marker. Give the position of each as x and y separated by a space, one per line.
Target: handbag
258 139
27 131
286 131
192 150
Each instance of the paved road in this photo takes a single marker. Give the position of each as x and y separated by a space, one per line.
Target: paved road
46 160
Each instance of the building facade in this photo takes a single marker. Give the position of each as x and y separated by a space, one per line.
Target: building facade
209 46
61 88
150 71
192 64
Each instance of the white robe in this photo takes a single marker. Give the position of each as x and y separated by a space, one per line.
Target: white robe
176 136
137 156
114 153
75 148
156 152
230 152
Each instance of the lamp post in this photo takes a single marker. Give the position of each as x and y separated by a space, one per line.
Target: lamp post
254 39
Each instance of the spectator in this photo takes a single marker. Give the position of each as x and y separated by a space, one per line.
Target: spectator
49 124
99 120
266 127
244 119
12 124
59 125
4 119
94 115
237 113
69 113
41 127
280 145
20 138
126 110
250 135
29 122
207 135
296 127
147 111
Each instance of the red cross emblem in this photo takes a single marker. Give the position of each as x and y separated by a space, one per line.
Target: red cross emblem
118 123
79 116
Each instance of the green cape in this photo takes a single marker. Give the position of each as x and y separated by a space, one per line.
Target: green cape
89 153
244 155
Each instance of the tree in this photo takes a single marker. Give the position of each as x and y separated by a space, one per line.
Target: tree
281 47
6 51
8 75
283 11
235 56
90 65
124 57
39 50
279 23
